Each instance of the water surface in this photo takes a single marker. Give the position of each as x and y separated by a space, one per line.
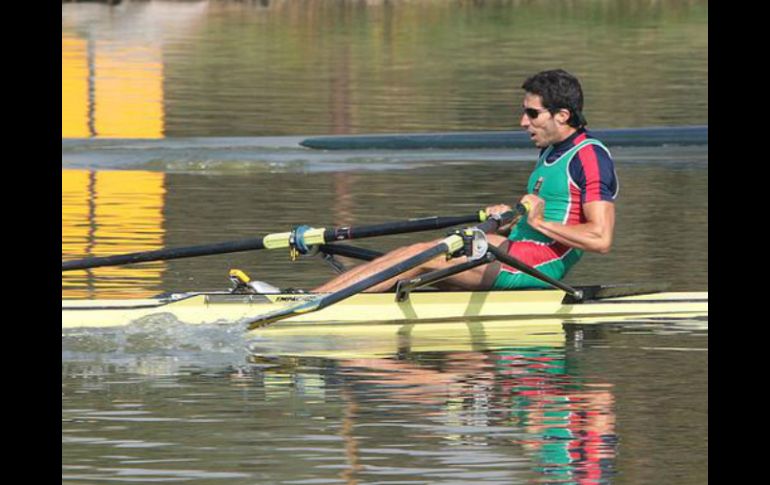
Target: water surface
623 402
281 67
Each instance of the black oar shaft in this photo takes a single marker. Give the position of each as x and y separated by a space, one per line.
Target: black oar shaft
279 240
493 223
445 246
385 275
349 251
401 227
164 254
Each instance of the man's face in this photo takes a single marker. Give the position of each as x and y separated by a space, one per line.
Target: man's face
543 129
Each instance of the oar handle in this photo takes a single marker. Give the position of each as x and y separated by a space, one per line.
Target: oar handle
494 222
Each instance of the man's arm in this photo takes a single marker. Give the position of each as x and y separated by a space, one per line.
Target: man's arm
593 235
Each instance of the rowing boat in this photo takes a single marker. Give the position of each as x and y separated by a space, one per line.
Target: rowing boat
372 308
413 300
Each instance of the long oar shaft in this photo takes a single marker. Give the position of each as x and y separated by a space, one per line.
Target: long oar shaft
445 246
276 240
401 227
349 251
164 254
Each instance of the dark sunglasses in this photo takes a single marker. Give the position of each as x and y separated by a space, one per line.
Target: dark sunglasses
533 113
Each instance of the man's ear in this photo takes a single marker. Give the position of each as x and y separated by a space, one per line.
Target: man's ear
562 116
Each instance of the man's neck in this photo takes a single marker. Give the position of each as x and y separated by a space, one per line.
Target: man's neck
565 134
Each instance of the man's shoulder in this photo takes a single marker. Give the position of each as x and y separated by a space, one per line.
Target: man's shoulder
595 149
592 161
589 136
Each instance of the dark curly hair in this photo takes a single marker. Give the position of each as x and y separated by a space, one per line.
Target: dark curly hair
559 90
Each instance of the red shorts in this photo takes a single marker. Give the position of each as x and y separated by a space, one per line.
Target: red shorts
553 259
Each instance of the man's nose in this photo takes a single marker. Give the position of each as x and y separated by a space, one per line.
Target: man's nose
524 122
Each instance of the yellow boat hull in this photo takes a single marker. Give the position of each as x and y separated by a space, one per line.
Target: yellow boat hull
372 308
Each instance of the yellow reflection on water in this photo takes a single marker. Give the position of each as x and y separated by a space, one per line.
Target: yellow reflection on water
74 88
112 212
111 91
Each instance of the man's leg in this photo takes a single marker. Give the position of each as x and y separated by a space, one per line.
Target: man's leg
479 278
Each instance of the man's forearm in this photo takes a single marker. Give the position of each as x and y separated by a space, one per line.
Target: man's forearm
587 237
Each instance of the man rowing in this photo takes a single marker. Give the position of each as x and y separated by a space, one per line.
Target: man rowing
573 211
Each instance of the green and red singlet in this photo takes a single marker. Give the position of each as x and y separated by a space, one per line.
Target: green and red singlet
576 171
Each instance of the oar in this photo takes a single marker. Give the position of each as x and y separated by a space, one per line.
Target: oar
494 222
302 238
447 245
